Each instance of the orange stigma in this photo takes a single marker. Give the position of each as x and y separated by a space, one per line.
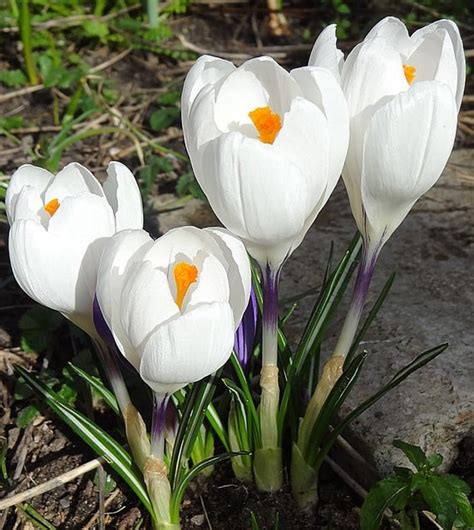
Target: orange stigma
267 123
410 73
184 275
52 206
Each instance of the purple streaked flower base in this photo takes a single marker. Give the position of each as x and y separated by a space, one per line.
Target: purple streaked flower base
270 297
158 424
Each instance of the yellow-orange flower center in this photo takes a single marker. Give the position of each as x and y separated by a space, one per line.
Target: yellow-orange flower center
267 123
410 73
52 206
184 275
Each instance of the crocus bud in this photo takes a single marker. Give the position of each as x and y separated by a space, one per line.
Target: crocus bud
403 95
173 304
59 224
267 147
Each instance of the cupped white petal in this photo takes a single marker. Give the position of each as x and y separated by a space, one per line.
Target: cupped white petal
277 82
453 31
72 180
406 147
188 347
27 204
120 251
304 140
145 303
26 175
320 87
325 53
212 284
256 192
394 31
122 192
434 59
200 127
240 93
207 70
48 268
180 244
238 270
372 71
86 221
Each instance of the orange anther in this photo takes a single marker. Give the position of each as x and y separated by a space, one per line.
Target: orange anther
410 73
52 206
267 123
184 275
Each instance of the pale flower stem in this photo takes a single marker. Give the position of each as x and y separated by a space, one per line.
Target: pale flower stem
370 254
114 375
158 425
269 375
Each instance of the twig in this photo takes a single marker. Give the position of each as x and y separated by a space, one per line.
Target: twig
51 484
107 503
278 52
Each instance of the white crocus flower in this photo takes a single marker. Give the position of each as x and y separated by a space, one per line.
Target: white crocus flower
58 226
173 304
267 147
403 95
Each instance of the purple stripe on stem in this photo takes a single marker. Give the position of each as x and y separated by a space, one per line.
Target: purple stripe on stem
158 424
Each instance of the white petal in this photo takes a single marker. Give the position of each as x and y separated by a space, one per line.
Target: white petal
123 194
238 270
325 53
240 93
86 221
48 268
372 71
200 126
304 140
207 70
321 88
212 284
372 75
72 180
120 251
434 59
277 82
26 175
257 193
188 348
394 31
453 32
27 204
406 147
145 302
180 244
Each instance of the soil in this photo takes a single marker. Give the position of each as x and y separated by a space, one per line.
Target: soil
46 448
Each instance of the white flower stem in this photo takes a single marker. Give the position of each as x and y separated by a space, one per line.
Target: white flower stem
158 425
370 254
268 459
114 375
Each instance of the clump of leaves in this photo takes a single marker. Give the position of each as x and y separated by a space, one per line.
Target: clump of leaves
408 493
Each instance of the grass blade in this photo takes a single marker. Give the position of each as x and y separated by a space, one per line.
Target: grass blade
401 375
96 438
99 386
319 320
